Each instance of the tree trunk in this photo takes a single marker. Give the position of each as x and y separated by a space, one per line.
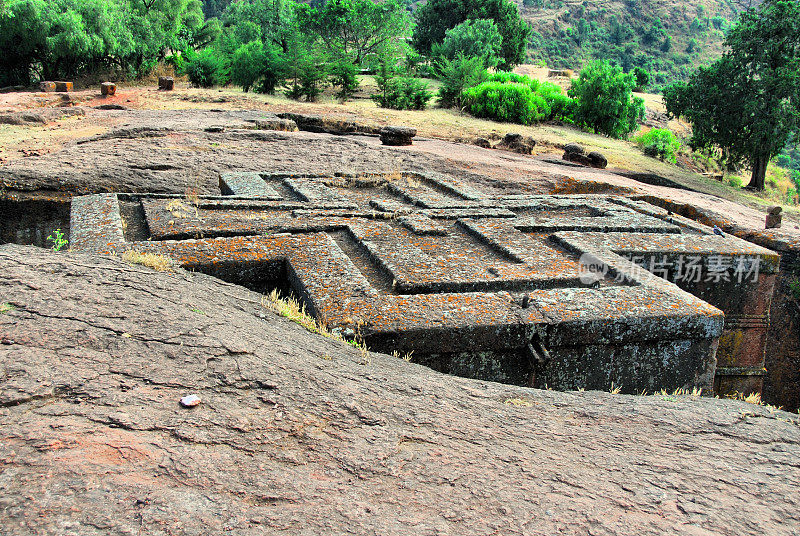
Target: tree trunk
759 164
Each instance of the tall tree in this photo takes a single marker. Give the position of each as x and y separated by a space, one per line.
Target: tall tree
435 17
355 29
748 102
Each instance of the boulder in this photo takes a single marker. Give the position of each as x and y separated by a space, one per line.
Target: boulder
108 89
574 148
597 160
517 143
397 135
774 217
578 158
577 154
483 142
166 83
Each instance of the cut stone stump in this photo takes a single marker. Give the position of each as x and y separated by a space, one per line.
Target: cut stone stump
108 89
166 83
394 135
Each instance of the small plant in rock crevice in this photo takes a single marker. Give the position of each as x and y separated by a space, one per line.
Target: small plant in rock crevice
58 241
6 308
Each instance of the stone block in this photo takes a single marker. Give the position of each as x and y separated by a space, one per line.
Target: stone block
108 89
774 217
63 87
166 83
397 135
48 87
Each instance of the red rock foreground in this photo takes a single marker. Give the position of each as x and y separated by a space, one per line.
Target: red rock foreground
299 435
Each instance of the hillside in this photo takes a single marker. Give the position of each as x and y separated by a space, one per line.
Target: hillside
669 39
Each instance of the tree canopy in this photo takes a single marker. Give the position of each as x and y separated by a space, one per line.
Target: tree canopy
747 103
62 38
435 17
354 29
478 38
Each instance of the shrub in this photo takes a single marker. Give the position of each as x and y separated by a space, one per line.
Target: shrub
343 76
206 68
456 76
661 143
604 100
403 93
509 102
259 67
509 77
546 101
735 181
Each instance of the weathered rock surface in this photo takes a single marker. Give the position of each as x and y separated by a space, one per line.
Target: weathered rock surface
323 124
299 435
39 118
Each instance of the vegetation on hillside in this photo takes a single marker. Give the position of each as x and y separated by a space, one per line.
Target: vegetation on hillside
668 39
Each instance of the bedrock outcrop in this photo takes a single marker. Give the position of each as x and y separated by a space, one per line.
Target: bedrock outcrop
296 434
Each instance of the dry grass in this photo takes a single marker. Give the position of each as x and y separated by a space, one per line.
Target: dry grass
159 263
296 312
179 209
519 402
405 357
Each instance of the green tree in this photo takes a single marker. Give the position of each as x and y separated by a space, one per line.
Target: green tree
457 75
604 100
435 17
272 21
344 76
355 29
747 103
207 68
472 39
642 78
258 66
